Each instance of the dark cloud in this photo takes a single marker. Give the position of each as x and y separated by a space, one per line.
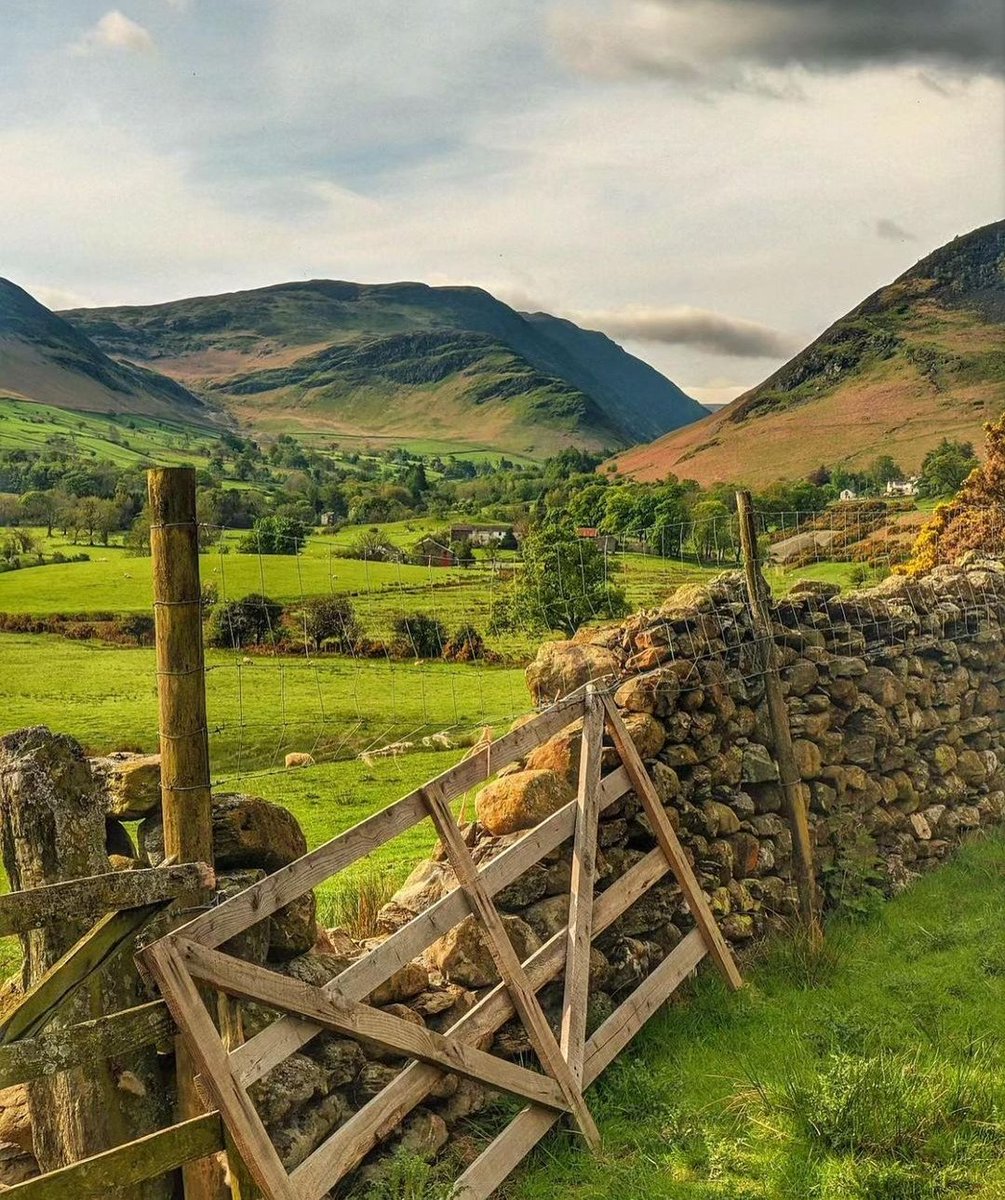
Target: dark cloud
890 231
727 42
695 327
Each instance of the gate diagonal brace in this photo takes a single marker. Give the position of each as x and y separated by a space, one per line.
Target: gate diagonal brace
508 964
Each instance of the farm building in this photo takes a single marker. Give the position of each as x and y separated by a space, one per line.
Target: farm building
480 535
902 487
434 554
605 542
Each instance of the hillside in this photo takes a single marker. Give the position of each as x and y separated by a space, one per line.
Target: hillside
43 358
401 361
920 360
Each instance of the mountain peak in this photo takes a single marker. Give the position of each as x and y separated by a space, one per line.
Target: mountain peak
921 359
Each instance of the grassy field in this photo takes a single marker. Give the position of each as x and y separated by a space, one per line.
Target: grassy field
258 710
106 698
125 441
873 1071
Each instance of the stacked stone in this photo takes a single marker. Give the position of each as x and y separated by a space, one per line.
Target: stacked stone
894 698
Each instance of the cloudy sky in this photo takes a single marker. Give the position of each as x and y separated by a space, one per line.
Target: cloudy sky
710 181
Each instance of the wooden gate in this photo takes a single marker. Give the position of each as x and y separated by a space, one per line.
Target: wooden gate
123 903
191 956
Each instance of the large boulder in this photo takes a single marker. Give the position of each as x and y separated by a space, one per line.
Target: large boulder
561 667
131 783
247 832
294 929
519 801
463 954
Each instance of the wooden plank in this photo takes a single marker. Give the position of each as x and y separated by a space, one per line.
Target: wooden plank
584 869
207 1051
508 965
217 926
245 981
68 974
503 1154
671 847
626 1020
350 1143
86 899
282 1038
230 1022
794 792
135 1162
523 1133
74 1045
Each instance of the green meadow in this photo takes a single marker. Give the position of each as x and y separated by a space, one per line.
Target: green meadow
125 441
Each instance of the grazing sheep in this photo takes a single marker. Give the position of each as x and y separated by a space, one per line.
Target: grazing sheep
299 759
393 750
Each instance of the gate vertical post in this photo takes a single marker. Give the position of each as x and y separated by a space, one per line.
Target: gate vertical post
184 736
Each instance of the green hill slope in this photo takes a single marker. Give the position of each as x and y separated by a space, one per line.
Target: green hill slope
920 360
399 360
45 359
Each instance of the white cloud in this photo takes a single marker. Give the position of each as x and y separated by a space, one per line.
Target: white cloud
115 31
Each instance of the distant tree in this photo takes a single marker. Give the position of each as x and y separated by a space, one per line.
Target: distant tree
565 582
819 476
418 636
42 507
415 481
251 621
508 541
712 533
883 471
330 621
462 551
945 468
669 529
276 535
972 520
373 546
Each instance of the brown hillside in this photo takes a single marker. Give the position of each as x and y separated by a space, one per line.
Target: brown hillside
921 360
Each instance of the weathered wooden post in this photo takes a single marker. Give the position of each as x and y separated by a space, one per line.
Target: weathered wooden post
184 735
181 671
795 793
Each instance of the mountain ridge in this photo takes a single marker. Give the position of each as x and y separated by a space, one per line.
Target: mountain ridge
402 359
920 359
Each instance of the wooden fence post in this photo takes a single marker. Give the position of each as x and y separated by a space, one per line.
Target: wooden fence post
184 736
794 792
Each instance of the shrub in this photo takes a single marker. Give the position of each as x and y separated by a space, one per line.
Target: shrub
139 627
466 645
353 902
275 535
418 636
247 622
373 546
331 621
